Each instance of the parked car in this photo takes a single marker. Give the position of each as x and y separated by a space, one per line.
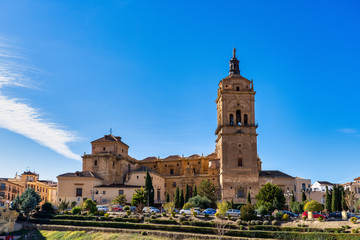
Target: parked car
117 208
315 214
176 211
233 212
209 211
132 208
290 213
102 208
186 211
152 209
339 215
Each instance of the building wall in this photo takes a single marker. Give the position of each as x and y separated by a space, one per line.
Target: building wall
300 186
67 188
8 191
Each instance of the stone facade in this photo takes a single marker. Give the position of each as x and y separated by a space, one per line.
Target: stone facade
234 167
8 191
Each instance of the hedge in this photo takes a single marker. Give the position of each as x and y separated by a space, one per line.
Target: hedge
205 224
206 230
294 229
162 221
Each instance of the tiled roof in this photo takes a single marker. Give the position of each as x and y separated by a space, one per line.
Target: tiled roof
81 174
172 157
29 173
118 186
325 183
272 173
357 178
109 138
149 159
194 156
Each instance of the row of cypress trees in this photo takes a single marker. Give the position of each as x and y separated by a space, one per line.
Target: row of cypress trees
335 199
180 198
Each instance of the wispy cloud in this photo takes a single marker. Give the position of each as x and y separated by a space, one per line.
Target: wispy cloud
348 130
21 118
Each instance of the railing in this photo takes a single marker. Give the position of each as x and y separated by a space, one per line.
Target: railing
229 125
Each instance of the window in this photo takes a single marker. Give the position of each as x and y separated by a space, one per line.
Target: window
95 162
104 192
154 166
137 177
177 164
240 162
79 192
241 193
193 170
231 120
171 171
294 188
245 119
238 117
158 195
174 184
237 89
2 186
303 186
104 148
113 163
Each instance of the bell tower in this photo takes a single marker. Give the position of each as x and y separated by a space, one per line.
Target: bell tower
236 143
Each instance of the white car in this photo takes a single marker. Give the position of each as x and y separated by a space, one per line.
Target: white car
233 212
103 208
152 209
188 211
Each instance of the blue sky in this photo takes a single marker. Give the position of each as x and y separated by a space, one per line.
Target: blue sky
70 70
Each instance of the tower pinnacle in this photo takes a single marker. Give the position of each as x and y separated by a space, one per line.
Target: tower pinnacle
234 64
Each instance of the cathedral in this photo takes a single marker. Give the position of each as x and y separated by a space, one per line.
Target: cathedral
234 168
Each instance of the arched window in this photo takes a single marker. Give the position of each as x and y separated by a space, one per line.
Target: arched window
245 119
231 120
194 170
238 117
237 88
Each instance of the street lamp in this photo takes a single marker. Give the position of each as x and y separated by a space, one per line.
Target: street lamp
288 195
309 190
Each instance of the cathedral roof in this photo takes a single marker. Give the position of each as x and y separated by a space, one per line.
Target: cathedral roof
109 138
81 174
273 173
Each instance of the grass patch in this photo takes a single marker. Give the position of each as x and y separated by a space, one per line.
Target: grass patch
82 235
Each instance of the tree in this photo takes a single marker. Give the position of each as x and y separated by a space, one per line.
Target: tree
270 195
90 205
349 199
63 205
313 206
169 207
303 196
222 208
296 207
139 197
187 194
335 199
181 198
167 197
247 212
343 203
73 204
328 200
27 202
149 189
201 202
195 191
177 197
208 189
248 198
47 207
119 200
262 210
292 197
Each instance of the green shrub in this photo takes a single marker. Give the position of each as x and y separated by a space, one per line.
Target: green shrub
101 213
128 212
66 212
184 214
200 201
107 215
194 214
206 215
126 208
353 220
152 217
185 223
304 217
47 207
172 214
271 218
248 212
182 218
144 233
355 230
313 206
229 217
274 222
320 218
162 221
279 215
257 222
262 210
266 222
188 205
238 222
217 215
285 217
76 210
163 214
